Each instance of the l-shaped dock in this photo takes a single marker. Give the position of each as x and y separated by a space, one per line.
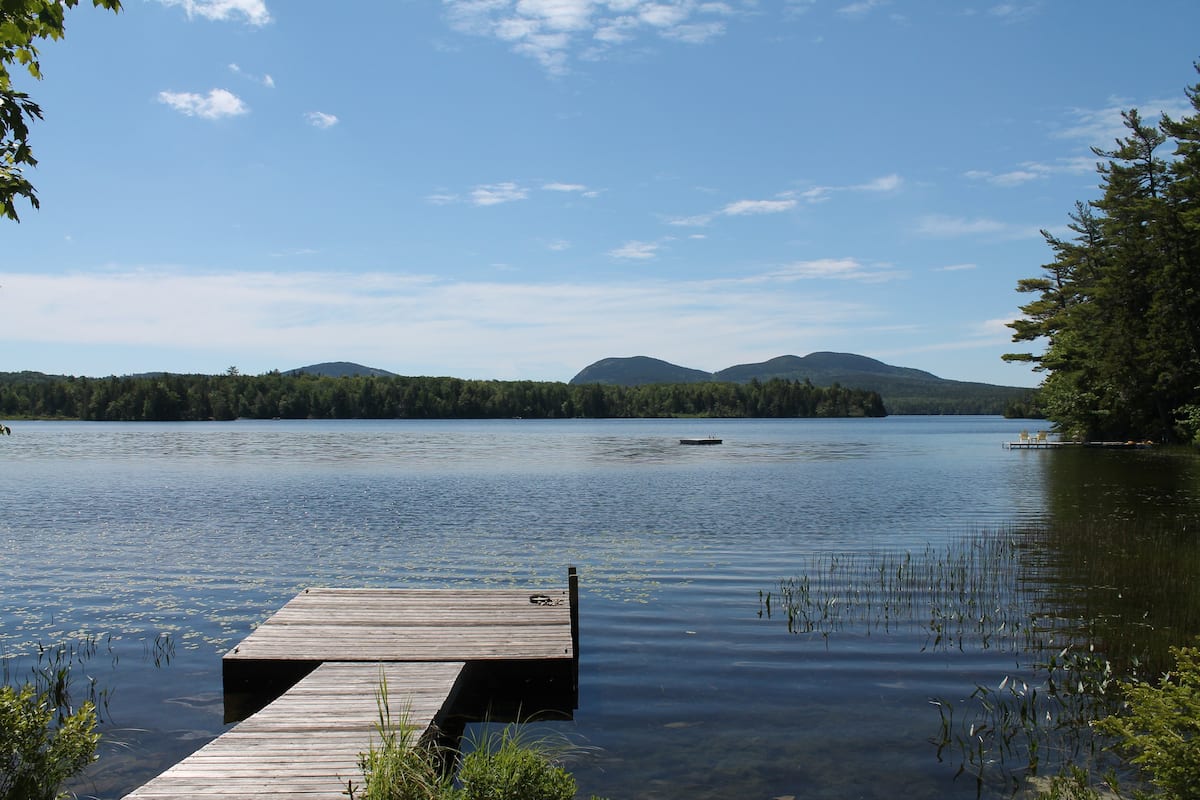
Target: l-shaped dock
306 683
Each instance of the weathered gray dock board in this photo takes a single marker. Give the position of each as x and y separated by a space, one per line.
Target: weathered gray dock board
306 743
413 625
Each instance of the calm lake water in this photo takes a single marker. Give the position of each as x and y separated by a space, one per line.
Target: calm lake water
164 544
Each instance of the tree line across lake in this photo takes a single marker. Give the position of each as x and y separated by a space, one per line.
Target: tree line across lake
174 397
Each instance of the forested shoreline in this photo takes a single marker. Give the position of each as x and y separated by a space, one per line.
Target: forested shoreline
172 397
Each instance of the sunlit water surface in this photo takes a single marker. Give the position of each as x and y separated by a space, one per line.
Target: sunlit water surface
127 532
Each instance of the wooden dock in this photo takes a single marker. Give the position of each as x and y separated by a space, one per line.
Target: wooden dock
306 682
1041 444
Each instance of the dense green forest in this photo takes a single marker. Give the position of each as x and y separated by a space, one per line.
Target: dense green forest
230 396
1118 308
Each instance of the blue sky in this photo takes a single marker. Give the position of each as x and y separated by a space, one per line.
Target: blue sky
514 189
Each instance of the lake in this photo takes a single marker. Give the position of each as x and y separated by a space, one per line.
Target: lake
159 546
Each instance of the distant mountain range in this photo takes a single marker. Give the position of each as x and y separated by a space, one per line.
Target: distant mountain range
904 390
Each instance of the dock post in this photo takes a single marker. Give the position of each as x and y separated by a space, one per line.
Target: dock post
573 599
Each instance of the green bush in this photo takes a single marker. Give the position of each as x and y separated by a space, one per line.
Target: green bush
1162 729
41 745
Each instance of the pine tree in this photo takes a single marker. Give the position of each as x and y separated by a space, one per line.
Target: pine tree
1119 307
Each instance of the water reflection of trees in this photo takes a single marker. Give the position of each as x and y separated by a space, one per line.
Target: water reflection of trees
1121 549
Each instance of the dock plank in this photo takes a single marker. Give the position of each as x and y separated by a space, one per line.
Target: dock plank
306 743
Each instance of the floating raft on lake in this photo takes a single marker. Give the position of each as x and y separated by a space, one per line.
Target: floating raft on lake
702 440
306 683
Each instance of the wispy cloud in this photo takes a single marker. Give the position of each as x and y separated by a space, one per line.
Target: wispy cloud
1034 171
491 194
570 188
636 251
471 329
744 207
252 12
265 80
216 104
1101 127
319 119
786 201
839 269
886 183
941 226
496 193
1014 12
549 30
861 8
956 268
883 184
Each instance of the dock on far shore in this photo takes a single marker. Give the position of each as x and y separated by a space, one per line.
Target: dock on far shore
306 684
1041 443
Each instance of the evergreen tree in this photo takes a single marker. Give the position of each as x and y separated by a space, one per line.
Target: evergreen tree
1119 306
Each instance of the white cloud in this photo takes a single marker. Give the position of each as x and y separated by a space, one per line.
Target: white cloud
216 104
635 250
549 30
744 207
565 187
252 12
319 119
496 193
956 268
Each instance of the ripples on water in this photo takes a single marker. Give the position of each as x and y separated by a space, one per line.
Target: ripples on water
202 530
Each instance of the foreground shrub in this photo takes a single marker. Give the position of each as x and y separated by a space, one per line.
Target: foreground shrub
1162 728
41 746
503 767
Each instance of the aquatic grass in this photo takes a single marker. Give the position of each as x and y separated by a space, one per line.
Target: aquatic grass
53 672
1041 596
511 763
975 592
